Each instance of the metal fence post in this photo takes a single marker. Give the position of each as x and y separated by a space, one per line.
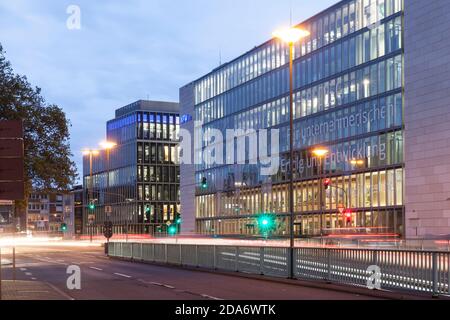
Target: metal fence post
181 255
435 274
196 256
261 260
132 247
290 258
236 262
14 264
215 257
142 252
165 254
328 279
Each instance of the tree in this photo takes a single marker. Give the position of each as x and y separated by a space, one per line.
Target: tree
48 164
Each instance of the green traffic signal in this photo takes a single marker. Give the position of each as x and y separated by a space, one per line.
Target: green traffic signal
204 183
267 222
92 206
63 227
172 230
178 221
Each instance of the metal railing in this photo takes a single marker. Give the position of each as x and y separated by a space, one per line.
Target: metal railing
417 271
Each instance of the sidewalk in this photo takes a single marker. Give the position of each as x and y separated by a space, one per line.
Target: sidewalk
30 290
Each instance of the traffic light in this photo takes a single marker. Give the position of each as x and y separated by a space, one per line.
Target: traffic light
327 183
172 230
148 209
63 227
348 216
108 230
266 222
204 183
178 221
91 206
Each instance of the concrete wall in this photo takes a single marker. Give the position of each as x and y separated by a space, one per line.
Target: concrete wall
427 117
187 171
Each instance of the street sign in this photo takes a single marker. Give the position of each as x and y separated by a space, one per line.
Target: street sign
91 218
108 209
341 208
169 223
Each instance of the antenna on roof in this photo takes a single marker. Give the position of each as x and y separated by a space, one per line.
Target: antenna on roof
291 13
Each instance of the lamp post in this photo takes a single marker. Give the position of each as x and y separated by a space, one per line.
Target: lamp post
107 146
91 153
291 36
320 153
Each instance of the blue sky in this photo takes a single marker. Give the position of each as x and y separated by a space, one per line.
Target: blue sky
130 50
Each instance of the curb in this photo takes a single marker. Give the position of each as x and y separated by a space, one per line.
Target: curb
381 294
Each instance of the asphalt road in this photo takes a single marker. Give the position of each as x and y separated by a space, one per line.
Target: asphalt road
103 278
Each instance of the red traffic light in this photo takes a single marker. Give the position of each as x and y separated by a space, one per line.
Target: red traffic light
327 183
348 215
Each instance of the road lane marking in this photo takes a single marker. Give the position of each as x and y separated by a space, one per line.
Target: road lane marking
33 278
28 274
210 297
167 286
122 275
23 269
98 269
62 293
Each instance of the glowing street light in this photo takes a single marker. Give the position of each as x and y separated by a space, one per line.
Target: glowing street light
91 153
320 152
291 36
357 162
108 145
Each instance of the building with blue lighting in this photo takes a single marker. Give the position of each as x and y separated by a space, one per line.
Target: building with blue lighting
365 90
142 190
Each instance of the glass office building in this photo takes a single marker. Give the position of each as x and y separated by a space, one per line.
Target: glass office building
348 97
143 185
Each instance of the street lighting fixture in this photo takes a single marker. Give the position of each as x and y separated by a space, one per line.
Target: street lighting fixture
291 36
321 152
107 146
91 153
357 162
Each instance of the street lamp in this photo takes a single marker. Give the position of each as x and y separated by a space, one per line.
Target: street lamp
91 153
320 153
357 162
107 146
291 36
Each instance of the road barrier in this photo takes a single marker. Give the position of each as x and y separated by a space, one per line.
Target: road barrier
417 271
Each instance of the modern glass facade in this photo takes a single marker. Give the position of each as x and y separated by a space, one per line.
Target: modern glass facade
348 82
143 183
